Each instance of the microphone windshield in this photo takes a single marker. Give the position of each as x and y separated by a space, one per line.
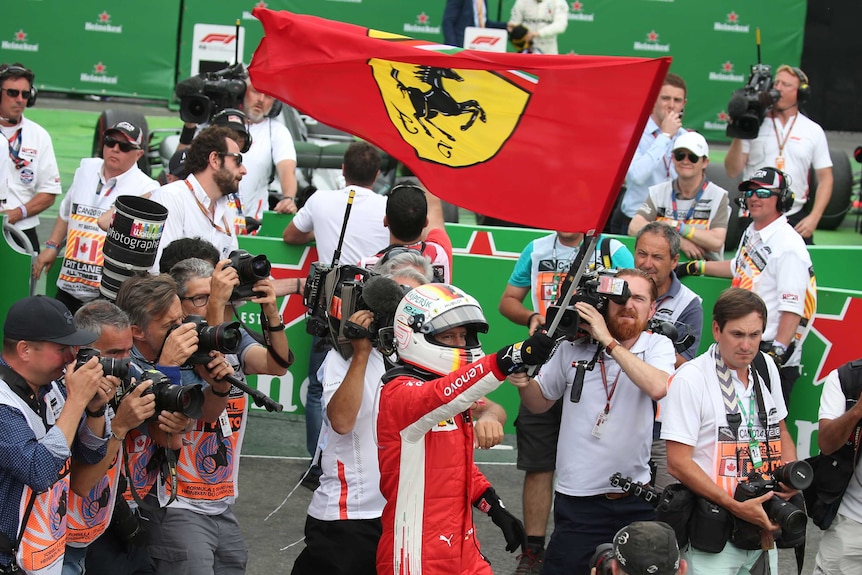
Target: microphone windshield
382 295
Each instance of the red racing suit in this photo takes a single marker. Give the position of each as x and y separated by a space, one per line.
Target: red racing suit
427 473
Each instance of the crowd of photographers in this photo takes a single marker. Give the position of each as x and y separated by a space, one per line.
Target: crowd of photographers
123 423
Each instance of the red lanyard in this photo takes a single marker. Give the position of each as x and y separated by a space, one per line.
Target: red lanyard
226 229
608 393
778 140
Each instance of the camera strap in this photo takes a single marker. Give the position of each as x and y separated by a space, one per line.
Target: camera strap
265 339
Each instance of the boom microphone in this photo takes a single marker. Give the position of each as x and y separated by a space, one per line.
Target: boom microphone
737 106
382 295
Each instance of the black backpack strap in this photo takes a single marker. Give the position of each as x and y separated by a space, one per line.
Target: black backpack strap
850 378
605 252
762 370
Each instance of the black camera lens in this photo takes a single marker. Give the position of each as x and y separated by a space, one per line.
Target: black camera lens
186 399
84 355
224 337
797 475
119 368
788 516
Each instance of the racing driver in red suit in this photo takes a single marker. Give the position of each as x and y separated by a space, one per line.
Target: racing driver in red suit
425 435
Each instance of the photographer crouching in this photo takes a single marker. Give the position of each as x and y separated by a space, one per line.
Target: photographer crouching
642 548
607 424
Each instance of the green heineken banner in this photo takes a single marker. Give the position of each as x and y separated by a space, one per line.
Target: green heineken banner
131 49
484 259
94 47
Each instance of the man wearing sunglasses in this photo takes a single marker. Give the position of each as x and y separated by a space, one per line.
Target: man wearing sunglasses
200 205
31 169
773 262
690 204
97 184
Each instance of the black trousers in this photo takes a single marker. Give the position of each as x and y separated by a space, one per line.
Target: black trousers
347 547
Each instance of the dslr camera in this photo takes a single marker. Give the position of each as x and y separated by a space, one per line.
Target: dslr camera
596 288
748 106
791 518
119 368
250 269
224 337
205 95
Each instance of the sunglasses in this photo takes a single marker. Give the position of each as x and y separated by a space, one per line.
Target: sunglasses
761 193
125 147
235 155
680 155
14 93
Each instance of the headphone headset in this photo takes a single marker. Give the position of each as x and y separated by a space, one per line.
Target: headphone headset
9 71
803 93
785 195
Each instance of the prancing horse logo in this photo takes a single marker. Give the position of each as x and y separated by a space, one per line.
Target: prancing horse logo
453 117
437 100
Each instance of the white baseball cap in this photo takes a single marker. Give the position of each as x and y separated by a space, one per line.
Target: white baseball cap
693 142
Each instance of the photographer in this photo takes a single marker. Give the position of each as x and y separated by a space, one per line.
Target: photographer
46 418
97 184
539 271
643 547
271 146
840 420
94 488
610 427
794 144
425 434
188 526
715 433
198 206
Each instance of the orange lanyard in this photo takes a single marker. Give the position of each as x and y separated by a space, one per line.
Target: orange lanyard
778 140
205 212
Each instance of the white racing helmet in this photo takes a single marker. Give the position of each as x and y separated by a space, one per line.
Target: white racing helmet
429 310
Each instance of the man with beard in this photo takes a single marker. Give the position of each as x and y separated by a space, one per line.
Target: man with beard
271 145
198 206
609 428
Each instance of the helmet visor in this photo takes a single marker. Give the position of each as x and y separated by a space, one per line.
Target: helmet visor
457 316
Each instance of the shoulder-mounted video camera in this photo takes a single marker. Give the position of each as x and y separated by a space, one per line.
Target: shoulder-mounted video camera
333 294
205 95
250 270
596 288
748 106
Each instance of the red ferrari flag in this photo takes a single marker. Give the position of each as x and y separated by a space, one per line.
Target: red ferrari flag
544 141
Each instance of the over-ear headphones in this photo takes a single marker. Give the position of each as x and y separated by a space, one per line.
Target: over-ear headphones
785 195
16 71
804 90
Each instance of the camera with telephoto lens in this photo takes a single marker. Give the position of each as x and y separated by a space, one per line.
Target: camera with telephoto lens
670 331
205 95
119 368
748 105
596 288
789 517
602 559
224 337
186 399
250 270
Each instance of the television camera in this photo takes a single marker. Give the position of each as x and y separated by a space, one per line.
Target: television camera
205 95
748 105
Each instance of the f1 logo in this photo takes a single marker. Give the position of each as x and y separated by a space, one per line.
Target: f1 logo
218 38
490 40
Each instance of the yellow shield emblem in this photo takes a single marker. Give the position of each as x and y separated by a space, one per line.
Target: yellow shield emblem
457 118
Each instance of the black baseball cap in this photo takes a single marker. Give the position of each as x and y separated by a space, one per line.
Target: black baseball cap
647 548
177 165
128 131
41 318
767 177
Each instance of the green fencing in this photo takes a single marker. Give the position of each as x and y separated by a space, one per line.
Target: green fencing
484 258
142 48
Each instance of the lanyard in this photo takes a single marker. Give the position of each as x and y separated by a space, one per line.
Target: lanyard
778 140
693 204
205 212
100 187
15 150
608 393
